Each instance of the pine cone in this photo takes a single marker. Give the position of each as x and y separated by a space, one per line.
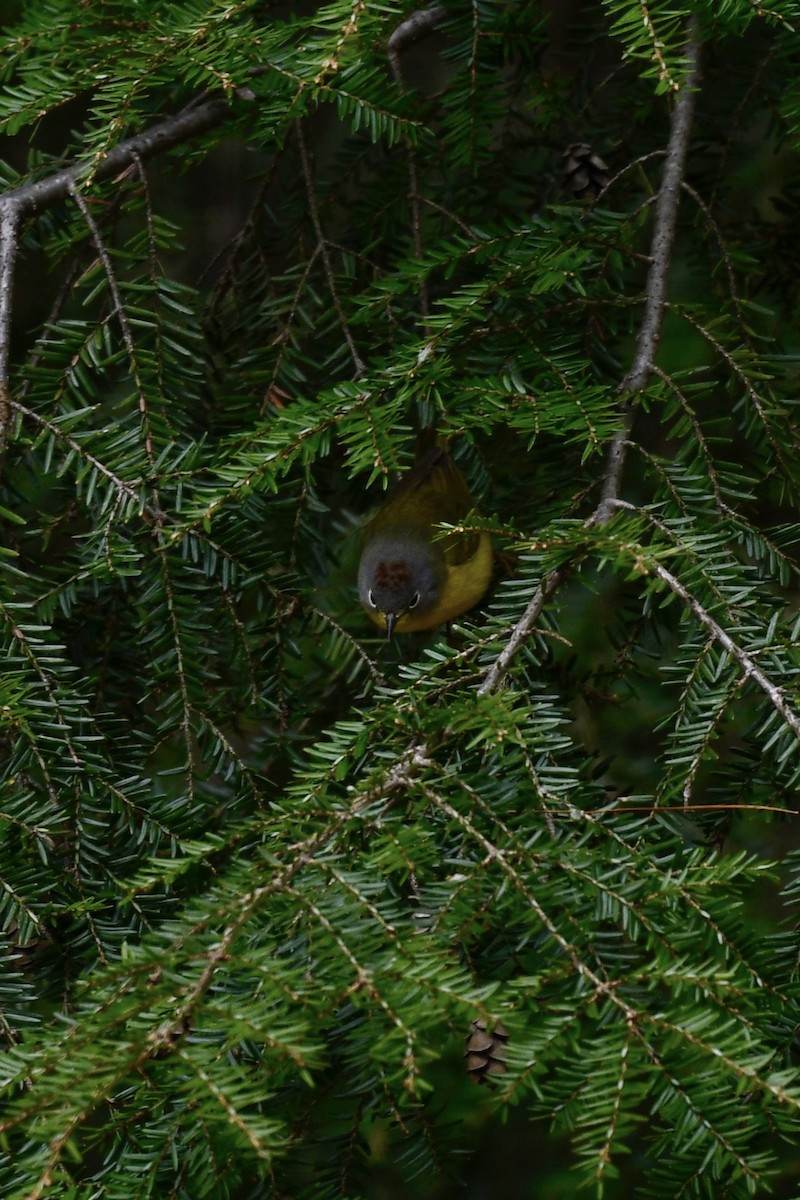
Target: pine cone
484 1052
584 172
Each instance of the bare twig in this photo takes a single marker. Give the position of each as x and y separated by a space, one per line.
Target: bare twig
9 227
323 249
9 230
416 26
646 344
521 631
664 227
666 215
39 195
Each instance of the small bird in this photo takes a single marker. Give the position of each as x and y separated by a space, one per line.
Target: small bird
410 576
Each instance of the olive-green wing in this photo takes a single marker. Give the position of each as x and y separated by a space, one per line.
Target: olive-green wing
433 491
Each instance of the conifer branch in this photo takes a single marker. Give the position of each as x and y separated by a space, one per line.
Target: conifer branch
646 344
399 854
522 631
122 486
118 310
322 246
37 195
746 662
749 667
416 26
666 215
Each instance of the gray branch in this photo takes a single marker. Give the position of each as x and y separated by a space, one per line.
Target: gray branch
38 195
664 224
636 377
666 216
521 631
418 25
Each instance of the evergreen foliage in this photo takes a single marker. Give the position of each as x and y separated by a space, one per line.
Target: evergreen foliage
260 872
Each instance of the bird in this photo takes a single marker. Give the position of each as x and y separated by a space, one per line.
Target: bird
411 576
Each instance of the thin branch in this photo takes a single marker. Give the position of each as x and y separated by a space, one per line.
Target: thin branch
522 631
665 220
418 25
148 209
229 254
9 230
119 312
749 667
313 209
705 209
663 232
38 195
121 485
352 642
703 447
784 452
646 344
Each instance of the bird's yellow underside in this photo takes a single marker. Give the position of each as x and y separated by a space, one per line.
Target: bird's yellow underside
465 584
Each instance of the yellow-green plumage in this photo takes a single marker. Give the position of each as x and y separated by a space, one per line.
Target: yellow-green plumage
412 577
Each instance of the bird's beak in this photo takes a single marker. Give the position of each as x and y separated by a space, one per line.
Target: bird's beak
391 621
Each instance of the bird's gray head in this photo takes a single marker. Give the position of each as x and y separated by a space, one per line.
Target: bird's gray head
399 575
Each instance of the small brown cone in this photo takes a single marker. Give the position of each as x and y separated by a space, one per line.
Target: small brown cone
584 172
485 1053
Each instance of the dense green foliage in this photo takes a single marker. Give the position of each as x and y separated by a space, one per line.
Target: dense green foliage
259 871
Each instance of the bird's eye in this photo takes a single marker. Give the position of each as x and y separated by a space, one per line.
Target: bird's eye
414 601
371 598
